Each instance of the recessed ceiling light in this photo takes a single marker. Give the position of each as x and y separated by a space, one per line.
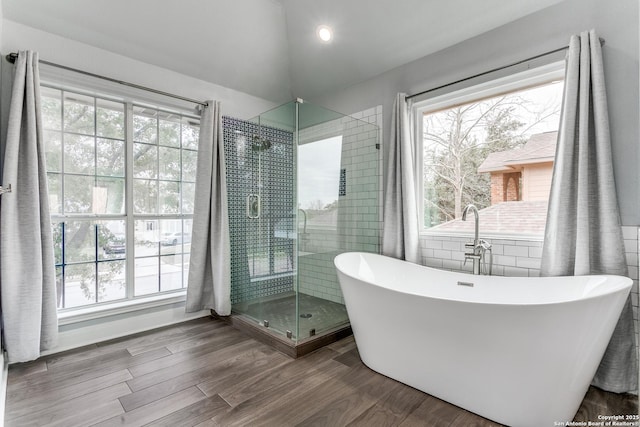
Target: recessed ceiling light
324 33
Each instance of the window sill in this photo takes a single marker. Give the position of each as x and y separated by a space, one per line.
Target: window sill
490 236
98 312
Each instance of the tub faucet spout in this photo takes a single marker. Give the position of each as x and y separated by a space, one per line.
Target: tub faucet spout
473 251
477 219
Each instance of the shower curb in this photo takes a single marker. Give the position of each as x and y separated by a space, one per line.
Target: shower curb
284 345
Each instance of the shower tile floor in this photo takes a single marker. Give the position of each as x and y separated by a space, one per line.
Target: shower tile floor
314 313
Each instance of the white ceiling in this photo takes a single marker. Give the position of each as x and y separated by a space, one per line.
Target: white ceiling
268 48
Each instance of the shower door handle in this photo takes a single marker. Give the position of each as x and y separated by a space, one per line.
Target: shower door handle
253 206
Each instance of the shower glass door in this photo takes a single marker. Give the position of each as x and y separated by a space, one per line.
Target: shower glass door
302 188
261 191
276 279
337 199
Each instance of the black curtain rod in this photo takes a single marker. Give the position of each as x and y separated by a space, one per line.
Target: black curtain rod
12 58
494 70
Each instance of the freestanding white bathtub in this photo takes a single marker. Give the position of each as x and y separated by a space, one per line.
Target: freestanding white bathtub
519 351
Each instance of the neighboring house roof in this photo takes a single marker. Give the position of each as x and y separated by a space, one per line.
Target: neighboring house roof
506 218
540 148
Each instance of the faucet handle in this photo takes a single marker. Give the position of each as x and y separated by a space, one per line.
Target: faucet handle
472 256
469 248
484 244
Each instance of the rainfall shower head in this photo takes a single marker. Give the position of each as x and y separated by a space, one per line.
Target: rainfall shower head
260 144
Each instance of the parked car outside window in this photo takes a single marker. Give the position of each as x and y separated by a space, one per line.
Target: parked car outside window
169 239
115 245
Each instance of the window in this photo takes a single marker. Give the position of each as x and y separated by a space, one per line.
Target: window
121 180
320 182
493 146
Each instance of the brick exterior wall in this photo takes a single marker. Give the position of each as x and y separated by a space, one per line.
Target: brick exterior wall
512 186
505 187
497 188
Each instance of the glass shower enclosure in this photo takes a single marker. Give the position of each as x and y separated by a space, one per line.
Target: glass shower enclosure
303 186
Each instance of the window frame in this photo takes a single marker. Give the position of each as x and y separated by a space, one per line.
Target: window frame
130 302
502 85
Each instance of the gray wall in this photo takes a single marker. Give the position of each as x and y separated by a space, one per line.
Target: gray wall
616 21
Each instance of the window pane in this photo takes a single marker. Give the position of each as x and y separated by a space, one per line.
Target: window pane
51 108
170 132
171 272
169 197
55 193
79 113
56 231
78 193
59 287
169 163
172 237
146 276
79 154
189 163
111 281
79 241
145 196
188 226
53 150
145 125
147 238
188 197
190 133
110 119
111 240
185 272
110 157
79 285
108 196
145 161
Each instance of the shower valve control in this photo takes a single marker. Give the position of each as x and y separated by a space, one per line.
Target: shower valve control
253 206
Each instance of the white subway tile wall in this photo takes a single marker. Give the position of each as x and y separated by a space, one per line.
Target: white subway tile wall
518 258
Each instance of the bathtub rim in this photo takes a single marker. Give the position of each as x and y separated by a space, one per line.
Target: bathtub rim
624 282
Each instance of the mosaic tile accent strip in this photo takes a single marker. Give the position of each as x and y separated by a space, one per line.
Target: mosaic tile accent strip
342 191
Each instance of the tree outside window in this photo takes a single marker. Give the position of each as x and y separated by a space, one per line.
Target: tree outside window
86 155
471 151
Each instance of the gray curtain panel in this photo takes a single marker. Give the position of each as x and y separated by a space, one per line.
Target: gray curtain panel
27 272
209 283
583 234
400 228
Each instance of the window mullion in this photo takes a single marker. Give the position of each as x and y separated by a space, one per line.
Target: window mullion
130 244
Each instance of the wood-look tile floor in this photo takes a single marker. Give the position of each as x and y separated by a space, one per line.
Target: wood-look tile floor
205 373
